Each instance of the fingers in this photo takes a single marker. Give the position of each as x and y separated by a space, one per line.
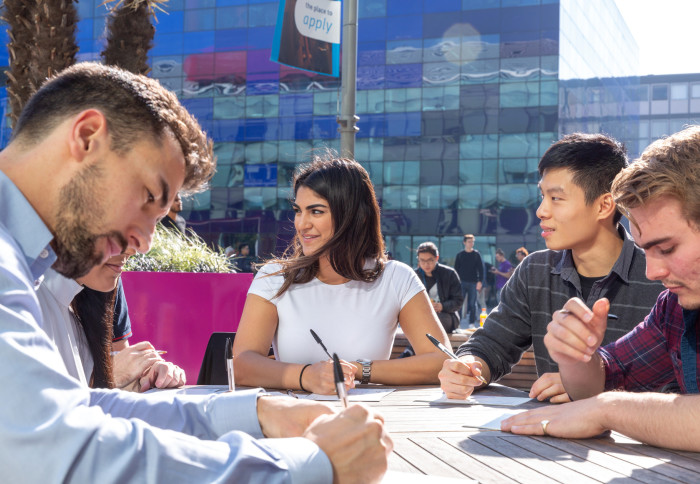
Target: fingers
549 386
457 378
528 423
575 332
348 374
356 443
141 346
322 378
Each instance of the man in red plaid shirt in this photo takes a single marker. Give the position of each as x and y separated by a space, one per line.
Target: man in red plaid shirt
660 194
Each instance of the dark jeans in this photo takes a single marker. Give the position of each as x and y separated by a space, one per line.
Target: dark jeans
470 312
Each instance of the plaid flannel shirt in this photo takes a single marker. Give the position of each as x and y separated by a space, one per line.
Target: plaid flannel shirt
660 351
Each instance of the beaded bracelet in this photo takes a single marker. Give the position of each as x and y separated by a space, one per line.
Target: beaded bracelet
302 374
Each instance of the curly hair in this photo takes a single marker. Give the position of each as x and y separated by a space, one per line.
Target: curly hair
668 167
133 105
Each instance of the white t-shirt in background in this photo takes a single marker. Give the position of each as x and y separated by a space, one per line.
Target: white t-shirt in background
356 319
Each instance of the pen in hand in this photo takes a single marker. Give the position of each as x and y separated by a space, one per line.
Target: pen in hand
449 353
318 340
610 315
339 381
229 364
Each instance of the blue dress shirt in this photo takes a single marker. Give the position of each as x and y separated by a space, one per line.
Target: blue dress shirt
53 429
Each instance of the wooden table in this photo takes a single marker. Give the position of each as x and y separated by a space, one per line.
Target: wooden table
431 440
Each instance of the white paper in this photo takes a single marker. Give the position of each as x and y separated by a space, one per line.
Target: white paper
477 399
489 418
354 395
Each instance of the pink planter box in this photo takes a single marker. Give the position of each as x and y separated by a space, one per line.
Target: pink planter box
178 311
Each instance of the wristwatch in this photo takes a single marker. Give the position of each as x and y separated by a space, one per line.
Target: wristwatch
366 369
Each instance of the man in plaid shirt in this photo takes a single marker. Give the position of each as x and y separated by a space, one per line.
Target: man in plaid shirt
660 194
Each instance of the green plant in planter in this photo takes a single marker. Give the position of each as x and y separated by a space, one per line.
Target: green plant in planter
172 251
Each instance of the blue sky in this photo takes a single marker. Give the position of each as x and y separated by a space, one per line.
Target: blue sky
667 34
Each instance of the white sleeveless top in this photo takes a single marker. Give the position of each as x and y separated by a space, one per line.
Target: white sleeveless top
355 319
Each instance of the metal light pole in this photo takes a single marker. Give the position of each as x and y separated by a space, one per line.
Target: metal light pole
348 82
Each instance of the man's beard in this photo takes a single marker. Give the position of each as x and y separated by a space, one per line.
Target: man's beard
78 211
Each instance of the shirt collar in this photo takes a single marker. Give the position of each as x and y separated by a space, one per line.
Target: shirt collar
26 227
63 289
622 265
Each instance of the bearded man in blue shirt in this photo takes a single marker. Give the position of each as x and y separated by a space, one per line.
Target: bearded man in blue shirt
95 161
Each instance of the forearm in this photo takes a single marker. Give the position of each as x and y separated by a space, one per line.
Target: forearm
417 370
583 380
663 420
252 369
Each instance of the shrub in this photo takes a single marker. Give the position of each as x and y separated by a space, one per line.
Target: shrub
173 251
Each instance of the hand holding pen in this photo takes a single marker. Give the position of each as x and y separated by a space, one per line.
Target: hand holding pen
576 331
319 377
339 381
449 353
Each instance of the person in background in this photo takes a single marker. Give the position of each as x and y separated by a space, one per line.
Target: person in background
589 255
173 220
520 254
660 192
502 272
336 281
470 269
243 260
442 284
96 157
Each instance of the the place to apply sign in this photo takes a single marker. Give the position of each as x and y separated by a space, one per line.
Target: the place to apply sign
307 35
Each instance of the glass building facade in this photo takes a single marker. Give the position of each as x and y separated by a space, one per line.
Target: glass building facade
457 100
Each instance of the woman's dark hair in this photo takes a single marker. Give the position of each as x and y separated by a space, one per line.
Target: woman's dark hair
95 313
357 235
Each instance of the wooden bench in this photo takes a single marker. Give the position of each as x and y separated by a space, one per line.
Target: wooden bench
522 376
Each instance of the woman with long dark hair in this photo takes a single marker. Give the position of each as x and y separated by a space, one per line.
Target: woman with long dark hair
335 279
88 321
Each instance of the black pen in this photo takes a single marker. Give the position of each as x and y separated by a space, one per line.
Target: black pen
449 353
610 315
339 381
229 364
318 340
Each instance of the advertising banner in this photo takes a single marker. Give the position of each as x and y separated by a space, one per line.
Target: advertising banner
307 35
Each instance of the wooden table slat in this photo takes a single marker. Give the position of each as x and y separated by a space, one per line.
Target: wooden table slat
547 465
628 452
424 460
466 464
498 461
547 447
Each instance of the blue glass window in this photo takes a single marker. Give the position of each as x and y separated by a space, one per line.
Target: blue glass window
372 29
200 19
259 175
402 7
442 5
404 27
231 17
375 8
404 75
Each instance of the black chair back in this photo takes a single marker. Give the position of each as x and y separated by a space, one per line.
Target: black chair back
213 370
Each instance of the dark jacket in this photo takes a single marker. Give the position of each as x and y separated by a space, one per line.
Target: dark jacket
450 293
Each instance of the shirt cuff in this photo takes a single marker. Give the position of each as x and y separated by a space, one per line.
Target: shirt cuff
306 462
236 411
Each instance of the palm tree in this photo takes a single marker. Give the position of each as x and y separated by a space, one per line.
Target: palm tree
42 42
130 34
17 15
